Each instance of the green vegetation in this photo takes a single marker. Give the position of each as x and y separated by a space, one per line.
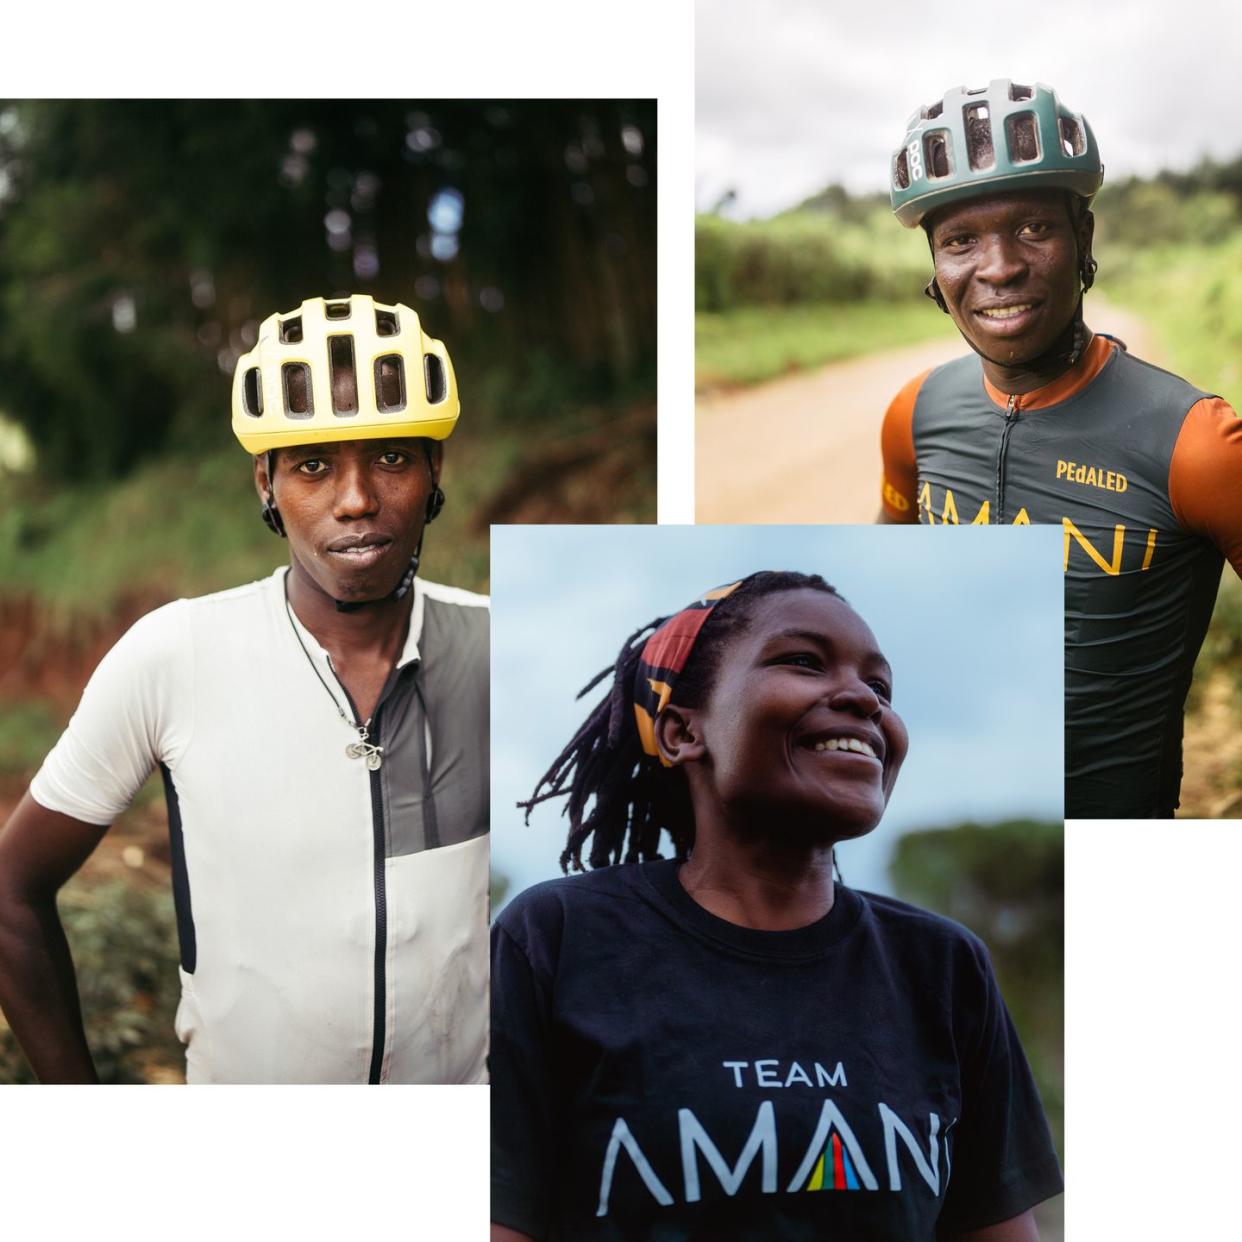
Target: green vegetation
1191 295
807 256
755 343
183 525
523 233
124 943
836 276
829 280
27 732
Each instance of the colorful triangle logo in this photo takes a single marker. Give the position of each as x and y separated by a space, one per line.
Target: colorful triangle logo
834 1170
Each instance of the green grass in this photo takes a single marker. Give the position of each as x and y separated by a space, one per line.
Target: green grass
756 343
27 732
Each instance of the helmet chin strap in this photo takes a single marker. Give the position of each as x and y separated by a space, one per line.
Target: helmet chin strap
1063 352
402 588
435 502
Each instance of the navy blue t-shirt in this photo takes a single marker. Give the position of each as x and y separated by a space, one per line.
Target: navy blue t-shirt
659 1073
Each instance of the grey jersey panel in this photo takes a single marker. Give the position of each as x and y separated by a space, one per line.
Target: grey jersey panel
1139 589
452 676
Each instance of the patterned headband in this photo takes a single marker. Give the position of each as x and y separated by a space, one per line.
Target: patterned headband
664 655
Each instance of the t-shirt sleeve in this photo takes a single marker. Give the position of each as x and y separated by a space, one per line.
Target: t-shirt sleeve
899 485
127 722
522 1090
1004 1160
1205 476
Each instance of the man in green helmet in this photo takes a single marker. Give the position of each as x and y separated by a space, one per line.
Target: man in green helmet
1048 423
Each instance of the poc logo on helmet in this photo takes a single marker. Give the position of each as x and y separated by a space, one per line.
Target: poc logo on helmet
914 158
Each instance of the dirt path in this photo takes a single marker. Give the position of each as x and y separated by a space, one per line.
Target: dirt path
806 448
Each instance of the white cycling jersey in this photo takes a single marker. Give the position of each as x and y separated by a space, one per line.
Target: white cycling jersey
332 917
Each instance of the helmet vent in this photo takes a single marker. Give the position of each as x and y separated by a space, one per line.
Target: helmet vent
385 323
932 111
1017 92
344 378
1073 141
252 393
1022 137
299 403
979 148
291 330
389 383
433 371
336 310
901 171
936 154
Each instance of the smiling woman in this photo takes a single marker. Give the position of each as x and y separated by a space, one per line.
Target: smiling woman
696 1047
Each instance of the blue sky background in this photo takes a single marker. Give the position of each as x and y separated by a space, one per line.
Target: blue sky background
969 618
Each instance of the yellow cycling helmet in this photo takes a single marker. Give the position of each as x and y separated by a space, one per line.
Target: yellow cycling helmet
342 369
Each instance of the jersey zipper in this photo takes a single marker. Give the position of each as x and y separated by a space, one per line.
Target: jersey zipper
1011 417
370 731
381 914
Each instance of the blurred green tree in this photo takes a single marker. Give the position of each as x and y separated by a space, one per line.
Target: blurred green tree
142 241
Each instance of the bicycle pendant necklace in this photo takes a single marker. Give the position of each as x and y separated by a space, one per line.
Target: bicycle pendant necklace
363 749
370 752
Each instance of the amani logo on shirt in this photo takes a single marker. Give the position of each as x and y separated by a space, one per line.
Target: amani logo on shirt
1112 564
834 1159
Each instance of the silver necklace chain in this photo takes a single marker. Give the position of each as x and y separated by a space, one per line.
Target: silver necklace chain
363 748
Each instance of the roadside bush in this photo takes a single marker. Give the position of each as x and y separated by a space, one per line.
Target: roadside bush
124 943
806 256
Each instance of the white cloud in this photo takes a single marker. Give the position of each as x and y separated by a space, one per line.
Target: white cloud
793 95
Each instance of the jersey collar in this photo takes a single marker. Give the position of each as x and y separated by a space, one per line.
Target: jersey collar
409 652
1064 386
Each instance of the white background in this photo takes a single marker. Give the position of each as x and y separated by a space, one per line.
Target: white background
1153 1094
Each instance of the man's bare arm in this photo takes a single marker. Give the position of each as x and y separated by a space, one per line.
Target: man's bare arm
39 851
502 1233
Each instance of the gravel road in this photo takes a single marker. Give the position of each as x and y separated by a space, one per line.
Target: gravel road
806 447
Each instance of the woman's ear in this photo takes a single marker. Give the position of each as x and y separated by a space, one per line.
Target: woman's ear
676 734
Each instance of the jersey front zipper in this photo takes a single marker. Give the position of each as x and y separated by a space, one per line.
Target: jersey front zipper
370 731
381 915
1011 417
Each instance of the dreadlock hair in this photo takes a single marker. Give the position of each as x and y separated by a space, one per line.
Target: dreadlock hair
632 797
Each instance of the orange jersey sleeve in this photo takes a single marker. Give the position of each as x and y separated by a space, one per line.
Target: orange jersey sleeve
899 485
1205 476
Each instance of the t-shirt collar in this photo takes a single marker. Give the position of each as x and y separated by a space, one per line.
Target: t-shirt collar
801 943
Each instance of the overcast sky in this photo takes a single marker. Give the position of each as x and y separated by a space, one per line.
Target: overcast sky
794 94
970 620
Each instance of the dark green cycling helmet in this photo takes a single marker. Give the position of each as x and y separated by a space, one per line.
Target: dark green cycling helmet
983 141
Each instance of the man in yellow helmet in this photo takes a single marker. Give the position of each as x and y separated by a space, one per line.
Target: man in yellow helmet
323 740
